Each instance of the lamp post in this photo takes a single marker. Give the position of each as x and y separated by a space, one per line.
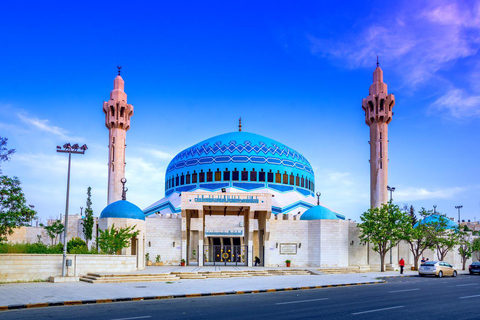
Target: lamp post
434 209
391 189
458 208
318 198
67 148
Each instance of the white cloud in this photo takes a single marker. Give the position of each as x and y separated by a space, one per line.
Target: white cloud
422 39
44 125
159 154
459 104
413 194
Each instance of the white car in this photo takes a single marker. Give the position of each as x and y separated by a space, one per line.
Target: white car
437 268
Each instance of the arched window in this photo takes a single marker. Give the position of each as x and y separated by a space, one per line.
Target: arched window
292 179
177 181
218 175
303 182
261 176
297 181
270 176
187 178
285 178
209 176
244 175
235 175
182 180
226 175
253 175
194 176
201 176
278 177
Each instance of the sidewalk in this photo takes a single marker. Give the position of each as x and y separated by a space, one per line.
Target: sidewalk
43 294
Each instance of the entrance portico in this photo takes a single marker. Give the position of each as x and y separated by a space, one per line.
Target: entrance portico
211 215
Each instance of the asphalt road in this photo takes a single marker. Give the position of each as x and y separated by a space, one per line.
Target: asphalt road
399 298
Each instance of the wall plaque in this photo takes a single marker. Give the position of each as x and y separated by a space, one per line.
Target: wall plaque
288 248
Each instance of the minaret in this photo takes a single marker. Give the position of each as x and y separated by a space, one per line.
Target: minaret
117 120
378 114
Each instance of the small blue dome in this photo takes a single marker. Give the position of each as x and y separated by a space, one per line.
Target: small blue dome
435 219
318 213
122 209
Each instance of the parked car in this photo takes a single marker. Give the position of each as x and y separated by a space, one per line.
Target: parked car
474 267
437 268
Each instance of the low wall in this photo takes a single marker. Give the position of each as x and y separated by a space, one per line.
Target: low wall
30 267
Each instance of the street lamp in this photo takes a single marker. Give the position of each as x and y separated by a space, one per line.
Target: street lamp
318 198
76 149
458 207
391 189
434 209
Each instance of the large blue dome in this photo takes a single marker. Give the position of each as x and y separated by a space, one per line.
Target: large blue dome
242 160
122 209
319 213
435 219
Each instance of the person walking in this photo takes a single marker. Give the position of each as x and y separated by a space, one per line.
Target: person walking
401 263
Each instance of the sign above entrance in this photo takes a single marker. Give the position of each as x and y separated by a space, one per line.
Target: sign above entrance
224 233
227 199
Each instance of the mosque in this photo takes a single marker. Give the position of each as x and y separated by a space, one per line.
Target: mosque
240 198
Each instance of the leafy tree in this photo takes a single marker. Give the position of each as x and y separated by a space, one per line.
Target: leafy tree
413 217
476 248
465 247
75 243
420 237
446 240
5 153
14 211
88 220
54 230
384 227
112 240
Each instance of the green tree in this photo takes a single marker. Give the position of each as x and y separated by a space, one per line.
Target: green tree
420 237
476 248
5 153
54 230
465 247
112 240
14 211
88 220
384 227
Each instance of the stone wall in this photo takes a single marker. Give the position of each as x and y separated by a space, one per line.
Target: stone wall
164 238
30 267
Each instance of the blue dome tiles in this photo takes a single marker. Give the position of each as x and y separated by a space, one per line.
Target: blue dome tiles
122 209
319 213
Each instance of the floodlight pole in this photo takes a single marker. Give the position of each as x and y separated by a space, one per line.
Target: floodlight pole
391 189
458 208
67 148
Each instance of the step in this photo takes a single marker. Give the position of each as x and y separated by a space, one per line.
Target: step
127 279
112 275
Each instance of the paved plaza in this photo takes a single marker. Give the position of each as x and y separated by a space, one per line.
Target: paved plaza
12 294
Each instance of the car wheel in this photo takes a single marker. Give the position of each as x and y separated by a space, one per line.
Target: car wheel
471 272
421 275
440 274
454 274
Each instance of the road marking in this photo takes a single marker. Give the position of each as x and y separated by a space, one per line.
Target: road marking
468 284
376 310
290 302
143 317
404 290
466 297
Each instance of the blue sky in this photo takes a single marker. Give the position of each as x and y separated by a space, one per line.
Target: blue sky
294 71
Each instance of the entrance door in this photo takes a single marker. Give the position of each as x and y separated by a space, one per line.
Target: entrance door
227 254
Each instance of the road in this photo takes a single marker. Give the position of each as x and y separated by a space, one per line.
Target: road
399 298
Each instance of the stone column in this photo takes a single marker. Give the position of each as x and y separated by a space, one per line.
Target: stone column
184 235
201 237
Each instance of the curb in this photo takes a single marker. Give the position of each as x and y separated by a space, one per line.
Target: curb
190 295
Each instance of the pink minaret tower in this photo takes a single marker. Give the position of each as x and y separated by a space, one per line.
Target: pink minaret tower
378 114
117 120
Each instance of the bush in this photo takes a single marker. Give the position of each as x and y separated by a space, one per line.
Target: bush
77 244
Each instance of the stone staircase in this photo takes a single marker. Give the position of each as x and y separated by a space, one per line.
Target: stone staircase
339 270
118 278
175 276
